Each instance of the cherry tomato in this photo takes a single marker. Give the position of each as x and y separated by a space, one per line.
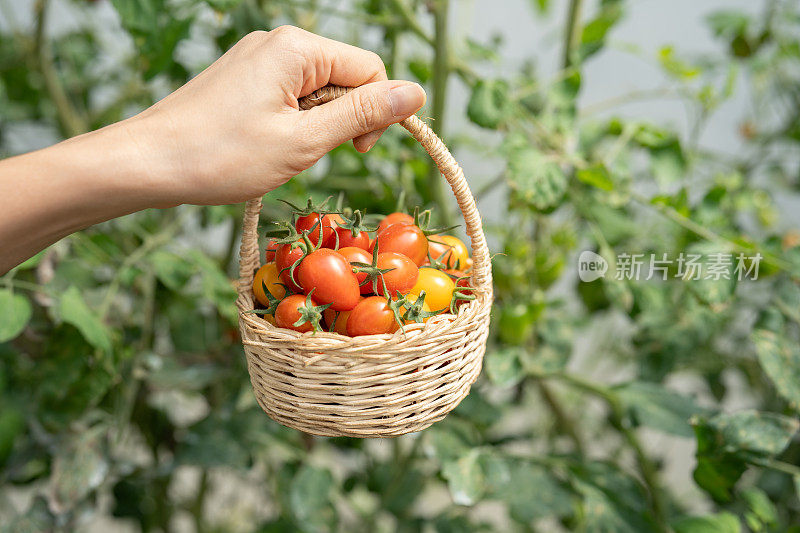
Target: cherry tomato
267 275
402 276
406 239
371 316
271 247
285 257
340 318
313 222
268 318
346 239
331 277
358 255
438 288
288 312
449 250
395 218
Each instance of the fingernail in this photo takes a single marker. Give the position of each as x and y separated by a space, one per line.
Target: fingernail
406 99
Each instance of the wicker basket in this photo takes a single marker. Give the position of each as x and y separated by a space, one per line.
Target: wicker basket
376 385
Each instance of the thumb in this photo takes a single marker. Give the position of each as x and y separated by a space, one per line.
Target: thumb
365 109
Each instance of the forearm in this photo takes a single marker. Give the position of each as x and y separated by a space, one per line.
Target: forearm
48 194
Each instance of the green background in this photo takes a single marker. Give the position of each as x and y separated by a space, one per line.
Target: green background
614 405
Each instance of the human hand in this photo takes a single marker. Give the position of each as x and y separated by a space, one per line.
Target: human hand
235 131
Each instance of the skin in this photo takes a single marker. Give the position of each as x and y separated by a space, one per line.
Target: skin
232 133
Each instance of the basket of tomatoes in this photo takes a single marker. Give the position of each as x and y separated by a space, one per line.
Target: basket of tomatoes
365 331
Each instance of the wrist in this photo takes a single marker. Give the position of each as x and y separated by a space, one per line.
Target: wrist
151 156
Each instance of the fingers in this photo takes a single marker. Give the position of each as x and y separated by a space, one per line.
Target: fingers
363 112
314 61
329 62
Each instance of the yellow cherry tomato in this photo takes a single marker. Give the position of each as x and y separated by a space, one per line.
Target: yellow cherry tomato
267 275
448 250
438 288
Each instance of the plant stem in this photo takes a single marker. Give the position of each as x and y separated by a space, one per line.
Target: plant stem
563 420
711 235
197 505
572 33
441 74
646 467
72 123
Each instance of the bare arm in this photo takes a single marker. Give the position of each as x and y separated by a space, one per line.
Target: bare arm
232 133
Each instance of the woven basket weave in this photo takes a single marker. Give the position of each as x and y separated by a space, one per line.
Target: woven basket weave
376 385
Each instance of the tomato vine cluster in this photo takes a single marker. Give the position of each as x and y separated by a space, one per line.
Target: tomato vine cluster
330 271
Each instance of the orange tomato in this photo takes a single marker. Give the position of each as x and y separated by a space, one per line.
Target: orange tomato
449 250
267 275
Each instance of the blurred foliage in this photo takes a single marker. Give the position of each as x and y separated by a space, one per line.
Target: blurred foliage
123 388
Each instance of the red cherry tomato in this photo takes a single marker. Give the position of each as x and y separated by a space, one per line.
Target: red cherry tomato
402 276
406 239
285 257
288 312
357 255
313 222
271 248
331 278
372 316
346 239
395 218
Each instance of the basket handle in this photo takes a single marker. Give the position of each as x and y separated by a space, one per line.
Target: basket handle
482 266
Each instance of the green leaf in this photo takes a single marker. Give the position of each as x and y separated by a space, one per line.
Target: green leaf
596 176
16 312
761 433
79 468
612 500
780 359
675 66
171 269
726 443
310 495
488 104
12 423
714 523
596 30
654 406
465 478
667 163
728 23
762 514
530 491
73 310
503 366
535 180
